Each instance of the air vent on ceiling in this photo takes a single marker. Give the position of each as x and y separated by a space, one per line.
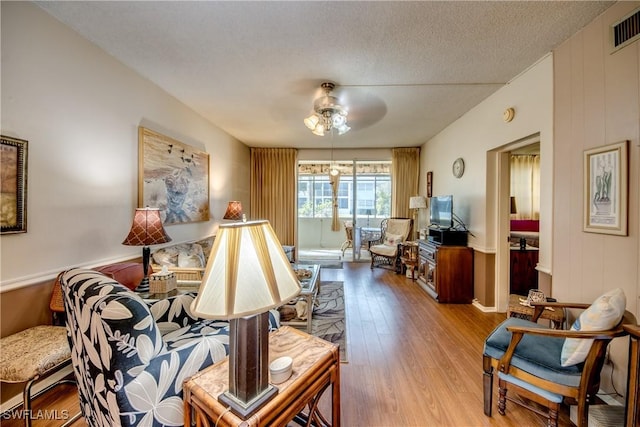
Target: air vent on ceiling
626 31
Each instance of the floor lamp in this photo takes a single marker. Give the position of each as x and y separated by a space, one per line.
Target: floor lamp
415 203
248 273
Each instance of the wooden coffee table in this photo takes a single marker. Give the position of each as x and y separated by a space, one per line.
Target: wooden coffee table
310 288
316 367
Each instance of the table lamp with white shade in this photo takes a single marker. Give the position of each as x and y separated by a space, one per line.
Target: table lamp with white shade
247 274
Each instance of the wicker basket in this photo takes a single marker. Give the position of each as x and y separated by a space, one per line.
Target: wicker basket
162 282
182 273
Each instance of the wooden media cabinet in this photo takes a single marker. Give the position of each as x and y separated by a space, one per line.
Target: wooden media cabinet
446 271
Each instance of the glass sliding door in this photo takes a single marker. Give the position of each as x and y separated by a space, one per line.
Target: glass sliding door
364 199
372 201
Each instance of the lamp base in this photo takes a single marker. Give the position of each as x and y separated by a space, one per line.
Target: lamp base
143 287
246 409
249 387
144 284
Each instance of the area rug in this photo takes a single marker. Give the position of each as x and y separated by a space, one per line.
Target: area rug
328 321
324 263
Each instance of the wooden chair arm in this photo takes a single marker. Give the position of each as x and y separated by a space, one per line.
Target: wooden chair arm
539 307
618 331
632 330
518 332
561 304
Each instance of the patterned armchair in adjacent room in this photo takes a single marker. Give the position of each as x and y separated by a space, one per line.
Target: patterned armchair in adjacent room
385 252
130 356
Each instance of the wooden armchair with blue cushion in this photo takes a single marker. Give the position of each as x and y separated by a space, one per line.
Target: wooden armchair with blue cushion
552 366
130 357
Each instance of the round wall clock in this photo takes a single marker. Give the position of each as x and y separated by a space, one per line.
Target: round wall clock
458 167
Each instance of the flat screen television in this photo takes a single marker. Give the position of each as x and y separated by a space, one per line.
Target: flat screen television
441 211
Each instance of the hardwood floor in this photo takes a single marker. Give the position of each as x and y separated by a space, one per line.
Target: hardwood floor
411 361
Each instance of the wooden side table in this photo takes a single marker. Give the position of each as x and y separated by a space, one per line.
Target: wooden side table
516 309
409 257
316 367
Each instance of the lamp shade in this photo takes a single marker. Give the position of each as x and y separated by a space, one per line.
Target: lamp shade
146 229
417 202
247 273
234 211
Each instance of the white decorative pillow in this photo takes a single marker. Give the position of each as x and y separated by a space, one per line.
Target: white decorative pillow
190 255
392 239
605 313
166 256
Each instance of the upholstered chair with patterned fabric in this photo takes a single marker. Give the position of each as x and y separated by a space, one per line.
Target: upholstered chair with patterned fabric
130 357
385 252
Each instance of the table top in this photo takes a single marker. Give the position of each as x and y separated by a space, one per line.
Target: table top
516 307
310 354
308 284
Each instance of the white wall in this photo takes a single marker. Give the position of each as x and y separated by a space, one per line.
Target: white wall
482 130
597 102
80 110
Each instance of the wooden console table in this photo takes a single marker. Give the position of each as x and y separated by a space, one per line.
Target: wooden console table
316 366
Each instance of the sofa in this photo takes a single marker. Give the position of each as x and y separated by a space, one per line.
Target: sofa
131 356
188 260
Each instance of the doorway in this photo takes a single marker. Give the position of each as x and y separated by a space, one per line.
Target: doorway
502 204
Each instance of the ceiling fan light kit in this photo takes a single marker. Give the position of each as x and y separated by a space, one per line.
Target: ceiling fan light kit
328 114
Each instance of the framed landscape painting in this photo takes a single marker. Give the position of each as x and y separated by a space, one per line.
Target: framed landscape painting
13 185
605 189
173 177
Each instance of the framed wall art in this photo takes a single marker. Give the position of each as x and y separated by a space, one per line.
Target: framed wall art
605 189
429 183
173 177
13 185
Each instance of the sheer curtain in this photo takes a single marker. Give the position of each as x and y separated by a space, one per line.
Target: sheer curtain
273 190
525 185
335 184
405 173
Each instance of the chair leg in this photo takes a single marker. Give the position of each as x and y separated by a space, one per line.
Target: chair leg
502 397
583 413
487 385
26 401
553 415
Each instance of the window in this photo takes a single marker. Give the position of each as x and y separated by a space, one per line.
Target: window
371 199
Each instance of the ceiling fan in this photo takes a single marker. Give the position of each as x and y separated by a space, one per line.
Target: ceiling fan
352 109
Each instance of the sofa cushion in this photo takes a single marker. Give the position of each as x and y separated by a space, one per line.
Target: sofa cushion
129 274
182 255
392 239
605 313
384 250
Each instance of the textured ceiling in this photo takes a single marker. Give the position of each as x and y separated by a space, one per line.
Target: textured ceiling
405 70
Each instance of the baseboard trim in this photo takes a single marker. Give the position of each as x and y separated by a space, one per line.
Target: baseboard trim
482 308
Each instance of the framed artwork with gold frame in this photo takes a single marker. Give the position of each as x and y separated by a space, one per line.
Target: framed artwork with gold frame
13 185
173 177
605 189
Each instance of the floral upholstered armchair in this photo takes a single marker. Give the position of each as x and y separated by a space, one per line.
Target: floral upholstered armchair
130 357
